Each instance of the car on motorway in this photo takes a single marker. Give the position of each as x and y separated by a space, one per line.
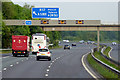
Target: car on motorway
92 42
73 44
82 41
43 53
59 42
114 43
66 47
89 42
67 41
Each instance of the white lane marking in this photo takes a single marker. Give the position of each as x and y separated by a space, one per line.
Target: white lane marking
5 69
53 61
46 75
49 66
48 70
109 54
27 58
86 67
6 57
11 65
17 62
50 63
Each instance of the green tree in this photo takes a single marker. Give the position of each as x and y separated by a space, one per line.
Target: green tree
6 36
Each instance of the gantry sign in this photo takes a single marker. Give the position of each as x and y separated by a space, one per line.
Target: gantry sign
66 25
54 22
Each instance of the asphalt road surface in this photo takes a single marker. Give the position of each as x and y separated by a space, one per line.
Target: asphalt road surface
64 64
115 52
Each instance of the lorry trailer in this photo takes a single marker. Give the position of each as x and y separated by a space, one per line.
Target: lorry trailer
20 45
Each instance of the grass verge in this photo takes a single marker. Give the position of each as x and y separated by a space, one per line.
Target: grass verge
101 69
98 56
5 51
106 51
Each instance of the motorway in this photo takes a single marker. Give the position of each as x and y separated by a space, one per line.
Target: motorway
114 54
64 64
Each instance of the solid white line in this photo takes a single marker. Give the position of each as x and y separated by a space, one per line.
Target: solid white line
110 52
86 67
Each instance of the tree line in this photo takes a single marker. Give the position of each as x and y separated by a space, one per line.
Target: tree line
14 11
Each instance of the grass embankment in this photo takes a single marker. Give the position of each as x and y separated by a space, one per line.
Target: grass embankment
106 51
98 56
5 51
101 69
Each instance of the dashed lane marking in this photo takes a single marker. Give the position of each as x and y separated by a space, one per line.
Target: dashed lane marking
17 62
11 65
53 61
5 69
27 58
46 75
48 70
49 66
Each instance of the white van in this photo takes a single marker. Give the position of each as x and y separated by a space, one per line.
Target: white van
38 41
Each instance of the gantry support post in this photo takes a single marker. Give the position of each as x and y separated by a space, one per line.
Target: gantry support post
98 38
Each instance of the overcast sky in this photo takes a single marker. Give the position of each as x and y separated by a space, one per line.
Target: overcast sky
106 11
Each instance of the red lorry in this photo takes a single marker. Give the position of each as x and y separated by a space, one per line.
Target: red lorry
20 45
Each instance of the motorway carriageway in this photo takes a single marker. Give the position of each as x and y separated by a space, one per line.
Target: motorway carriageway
64 64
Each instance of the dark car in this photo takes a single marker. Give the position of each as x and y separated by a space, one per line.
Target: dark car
73 44
66 47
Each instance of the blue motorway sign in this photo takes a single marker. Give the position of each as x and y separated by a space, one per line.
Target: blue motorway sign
28 22
45 12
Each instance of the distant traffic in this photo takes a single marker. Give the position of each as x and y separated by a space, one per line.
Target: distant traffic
39 45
